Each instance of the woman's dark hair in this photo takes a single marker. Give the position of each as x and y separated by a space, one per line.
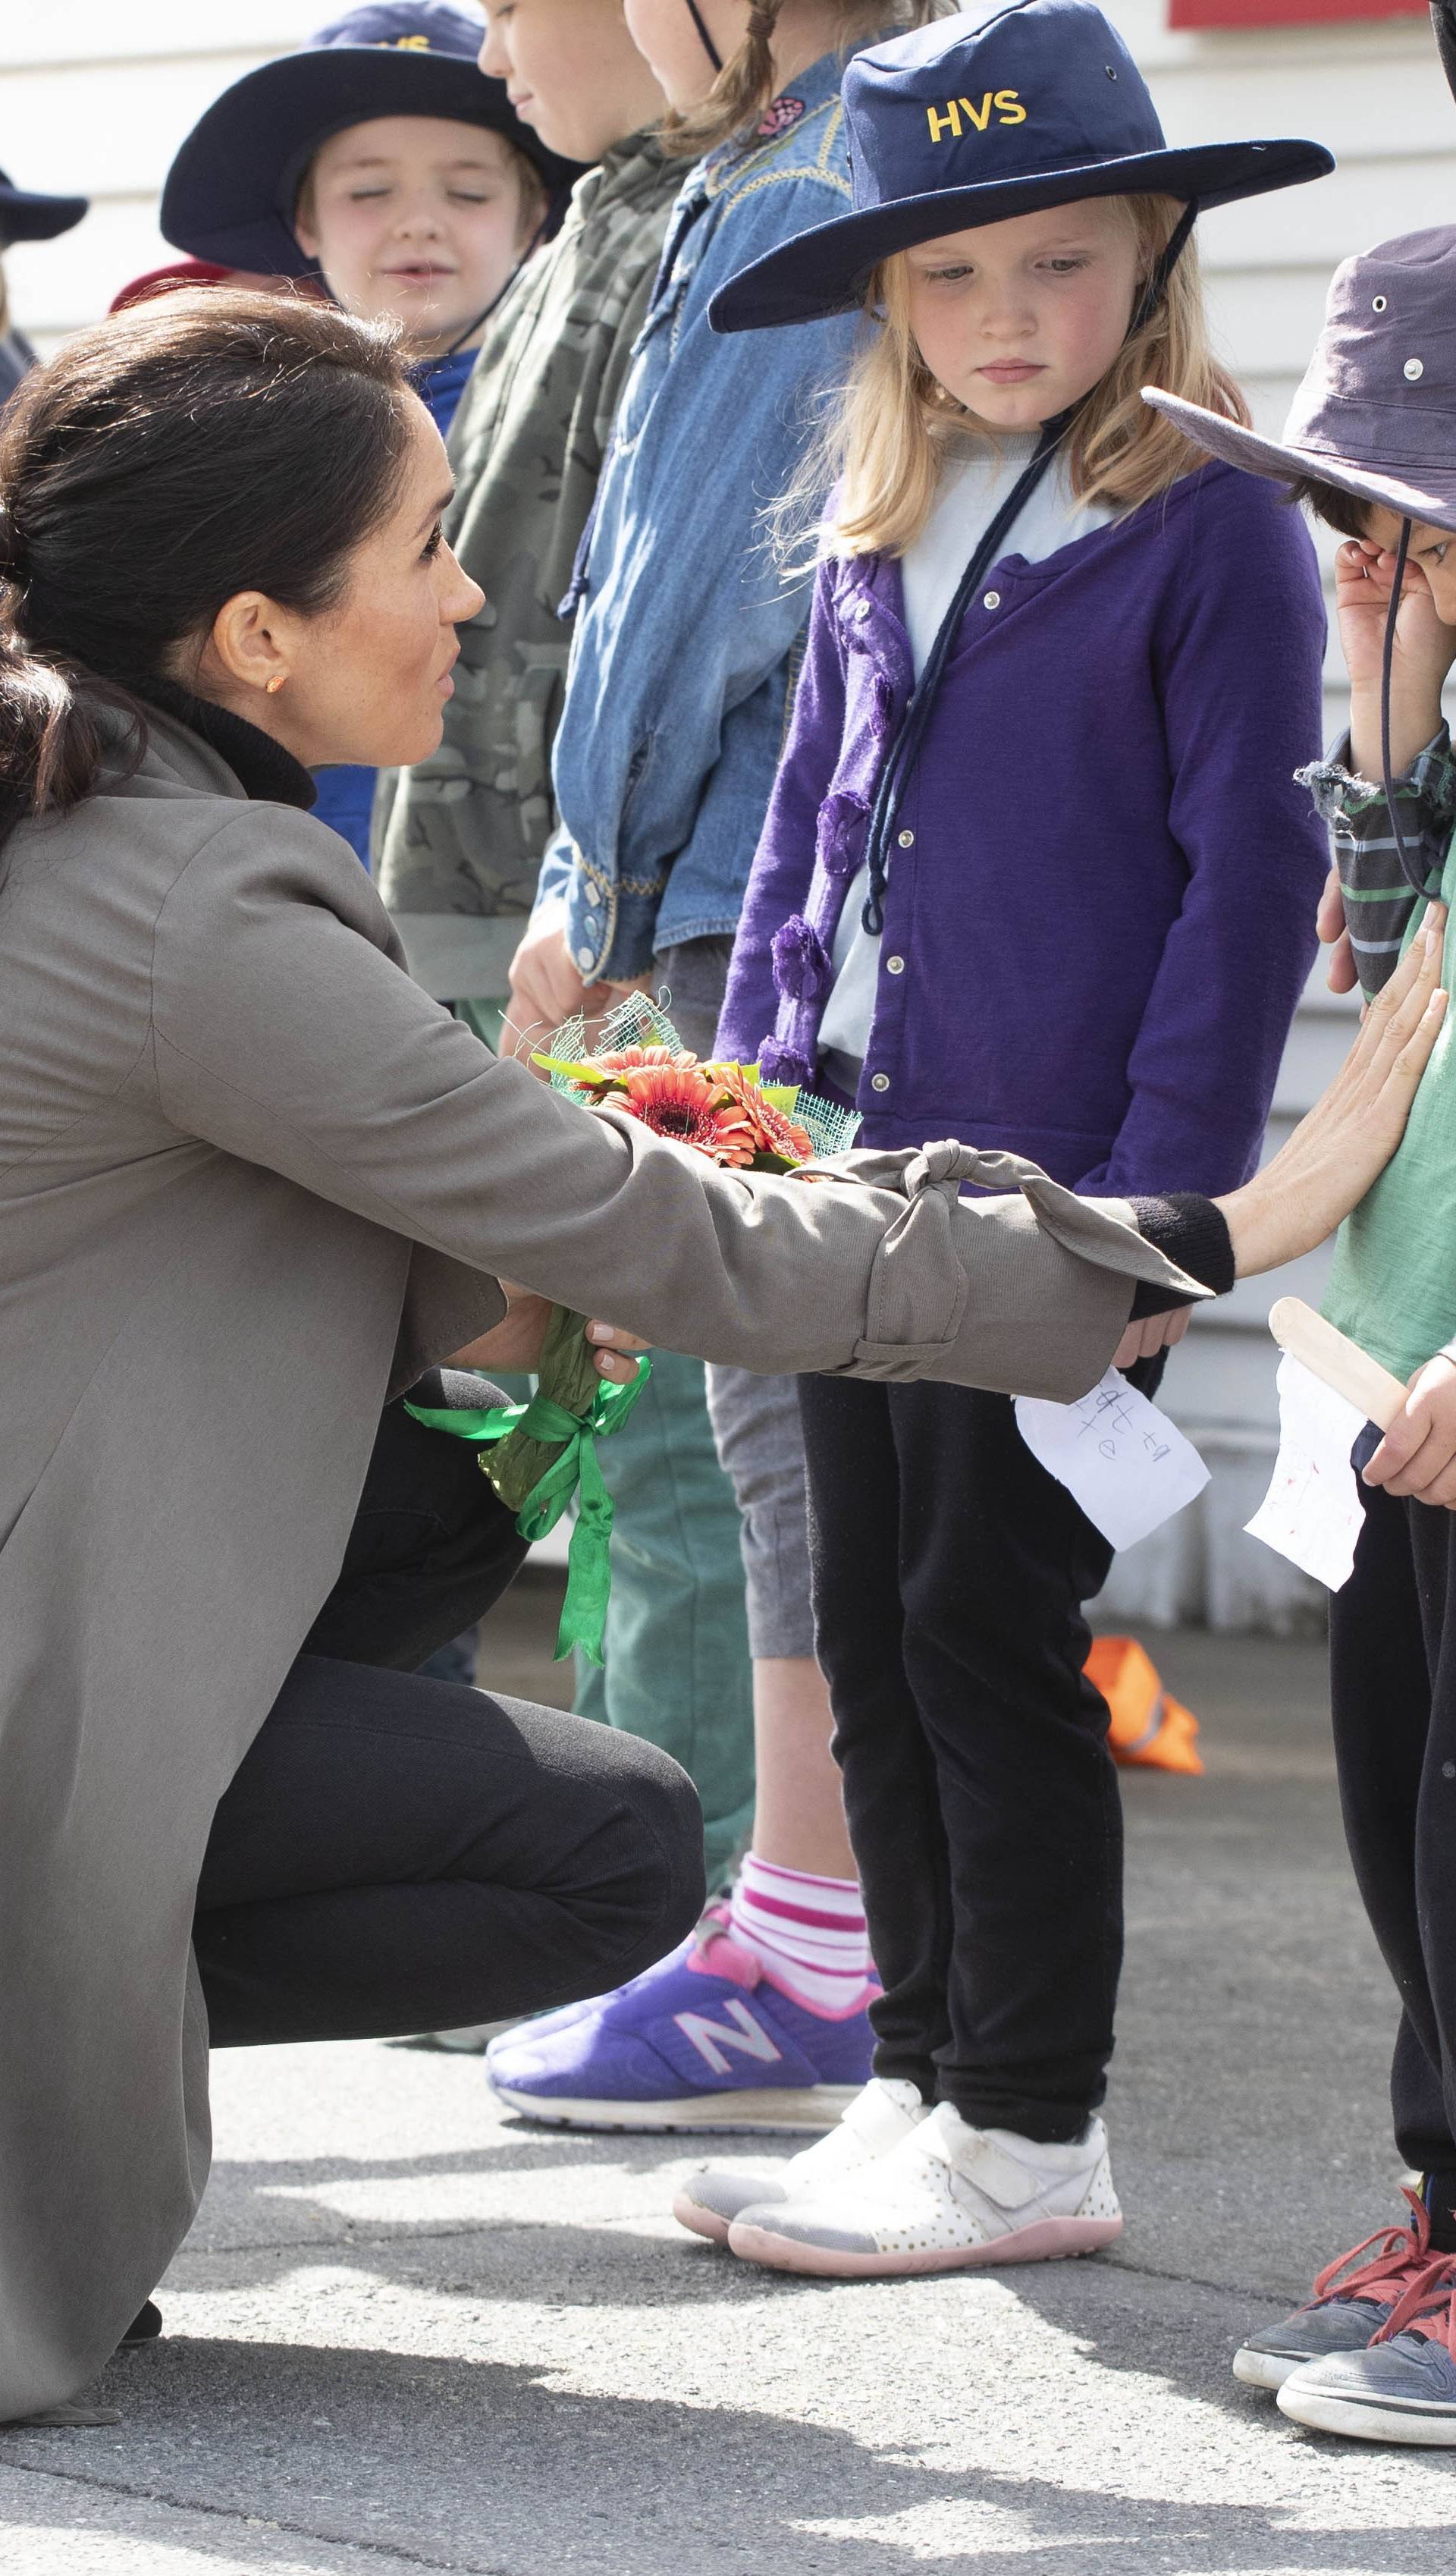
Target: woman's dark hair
211 442
1345 512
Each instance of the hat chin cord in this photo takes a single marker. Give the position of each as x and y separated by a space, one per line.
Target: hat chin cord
468 334
1157 285
700 22
1408 867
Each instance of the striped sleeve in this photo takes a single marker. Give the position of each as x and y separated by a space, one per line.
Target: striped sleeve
1379 896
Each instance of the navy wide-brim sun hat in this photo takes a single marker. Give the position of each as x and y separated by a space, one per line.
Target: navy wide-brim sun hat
1008 108
230 193
26 215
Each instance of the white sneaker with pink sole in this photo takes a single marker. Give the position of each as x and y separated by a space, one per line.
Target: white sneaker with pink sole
872 2125
948 2198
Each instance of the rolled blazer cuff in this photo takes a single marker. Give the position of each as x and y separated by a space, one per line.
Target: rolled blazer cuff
1039 1311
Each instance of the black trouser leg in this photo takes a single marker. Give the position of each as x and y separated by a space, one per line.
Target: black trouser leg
982 1802
891 1791
399 1854
1393 1695
432 1548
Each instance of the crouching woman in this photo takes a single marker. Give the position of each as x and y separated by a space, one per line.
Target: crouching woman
255 1184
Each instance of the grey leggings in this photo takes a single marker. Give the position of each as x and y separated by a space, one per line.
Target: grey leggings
755 1419
756 1426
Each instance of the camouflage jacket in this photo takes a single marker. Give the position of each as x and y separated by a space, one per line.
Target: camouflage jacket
458 840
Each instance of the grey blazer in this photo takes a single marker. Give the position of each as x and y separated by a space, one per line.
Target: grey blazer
252 1179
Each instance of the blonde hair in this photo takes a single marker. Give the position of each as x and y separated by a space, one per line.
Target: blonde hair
748 84
881 447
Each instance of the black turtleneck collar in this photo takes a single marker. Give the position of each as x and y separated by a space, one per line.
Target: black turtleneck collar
266 772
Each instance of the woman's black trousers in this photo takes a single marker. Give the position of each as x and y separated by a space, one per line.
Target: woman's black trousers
396 1854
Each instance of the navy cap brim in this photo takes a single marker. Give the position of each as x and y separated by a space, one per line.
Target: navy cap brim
1279 463
27 216
227 189
827 270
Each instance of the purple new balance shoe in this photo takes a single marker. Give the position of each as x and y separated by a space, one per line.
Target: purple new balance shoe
702 2041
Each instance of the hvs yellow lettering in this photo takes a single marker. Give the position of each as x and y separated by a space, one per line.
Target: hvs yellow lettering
1004 103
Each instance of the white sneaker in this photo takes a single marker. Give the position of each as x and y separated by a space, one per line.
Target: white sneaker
869 2127
947 2198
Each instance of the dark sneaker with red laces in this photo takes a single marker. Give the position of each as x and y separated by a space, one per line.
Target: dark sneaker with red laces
1402 2387
1341 2316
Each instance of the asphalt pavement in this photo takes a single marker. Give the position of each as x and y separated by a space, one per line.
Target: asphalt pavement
408 2333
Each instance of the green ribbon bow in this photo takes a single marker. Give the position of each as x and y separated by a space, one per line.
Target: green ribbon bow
577 1468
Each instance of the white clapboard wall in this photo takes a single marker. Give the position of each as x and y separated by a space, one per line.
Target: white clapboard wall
94 99
95 96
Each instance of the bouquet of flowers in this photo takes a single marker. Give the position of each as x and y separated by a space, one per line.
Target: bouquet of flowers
541 1454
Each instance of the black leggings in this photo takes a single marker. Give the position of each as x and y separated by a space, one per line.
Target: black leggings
1393 1693
949 1577
399 1854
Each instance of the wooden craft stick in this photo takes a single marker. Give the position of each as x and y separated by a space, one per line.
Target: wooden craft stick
1331 1356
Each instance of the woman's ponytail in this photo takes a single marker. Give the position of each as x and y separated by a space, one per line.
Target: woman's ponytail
50 744
212 441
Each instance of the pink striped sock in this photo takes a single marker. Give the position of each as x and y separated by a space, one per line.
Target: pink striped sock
807 1934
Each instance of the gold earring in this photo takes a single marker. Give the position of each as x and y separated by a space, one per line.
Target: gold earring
278 681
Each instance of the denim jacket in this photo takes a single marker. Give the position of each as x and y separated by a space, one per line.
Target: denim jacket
676 694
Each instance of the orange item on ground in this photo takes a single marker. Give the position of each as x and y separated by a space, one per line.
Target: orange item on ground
1150 1730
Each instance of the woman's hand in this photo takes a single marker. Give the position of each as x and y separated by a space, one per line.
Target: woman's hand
1418 1454
1350 1134
546 987
515 1342
1424 652
1153 1333
1329 923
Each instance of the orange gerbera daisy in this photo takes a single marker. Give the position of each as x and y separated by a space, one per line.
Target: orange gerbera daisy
773 1131
629 1058
675 1099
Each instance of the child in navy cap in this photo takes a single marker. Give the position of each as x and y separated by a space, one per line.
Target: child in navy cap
1035 876
382 158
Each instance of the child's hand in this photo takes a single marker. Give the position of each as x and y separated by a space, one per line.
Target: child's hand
546 987
1151 1334
1424 652
1418 1454
1329 923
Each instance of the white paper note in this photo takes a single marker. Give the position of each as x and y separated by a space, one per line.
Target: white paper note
1312 1512
1128 1466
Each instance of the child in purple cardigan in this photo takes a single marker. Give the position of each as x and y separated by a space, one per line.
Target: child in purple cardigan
1036 874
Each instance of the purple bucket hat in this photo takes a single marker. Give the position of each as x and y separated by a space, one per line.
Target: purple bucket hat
1376 413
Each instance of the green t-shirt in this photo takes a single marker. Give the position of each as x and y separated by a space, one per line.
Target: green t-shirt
1393 1284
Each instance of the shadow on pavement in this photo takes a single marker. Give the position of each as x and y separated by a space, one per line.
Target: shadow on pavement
487 2469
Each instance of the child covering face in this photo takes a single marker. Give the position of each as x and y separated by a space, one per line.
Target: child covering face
1367 444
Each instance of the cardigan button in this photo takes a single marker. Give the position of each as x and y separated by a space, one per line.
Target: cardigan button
894 965
1413 370
992 599
879 1082
906 840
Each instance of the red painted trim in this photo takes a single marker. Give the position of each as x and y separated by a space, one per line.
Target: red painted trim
1285 13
